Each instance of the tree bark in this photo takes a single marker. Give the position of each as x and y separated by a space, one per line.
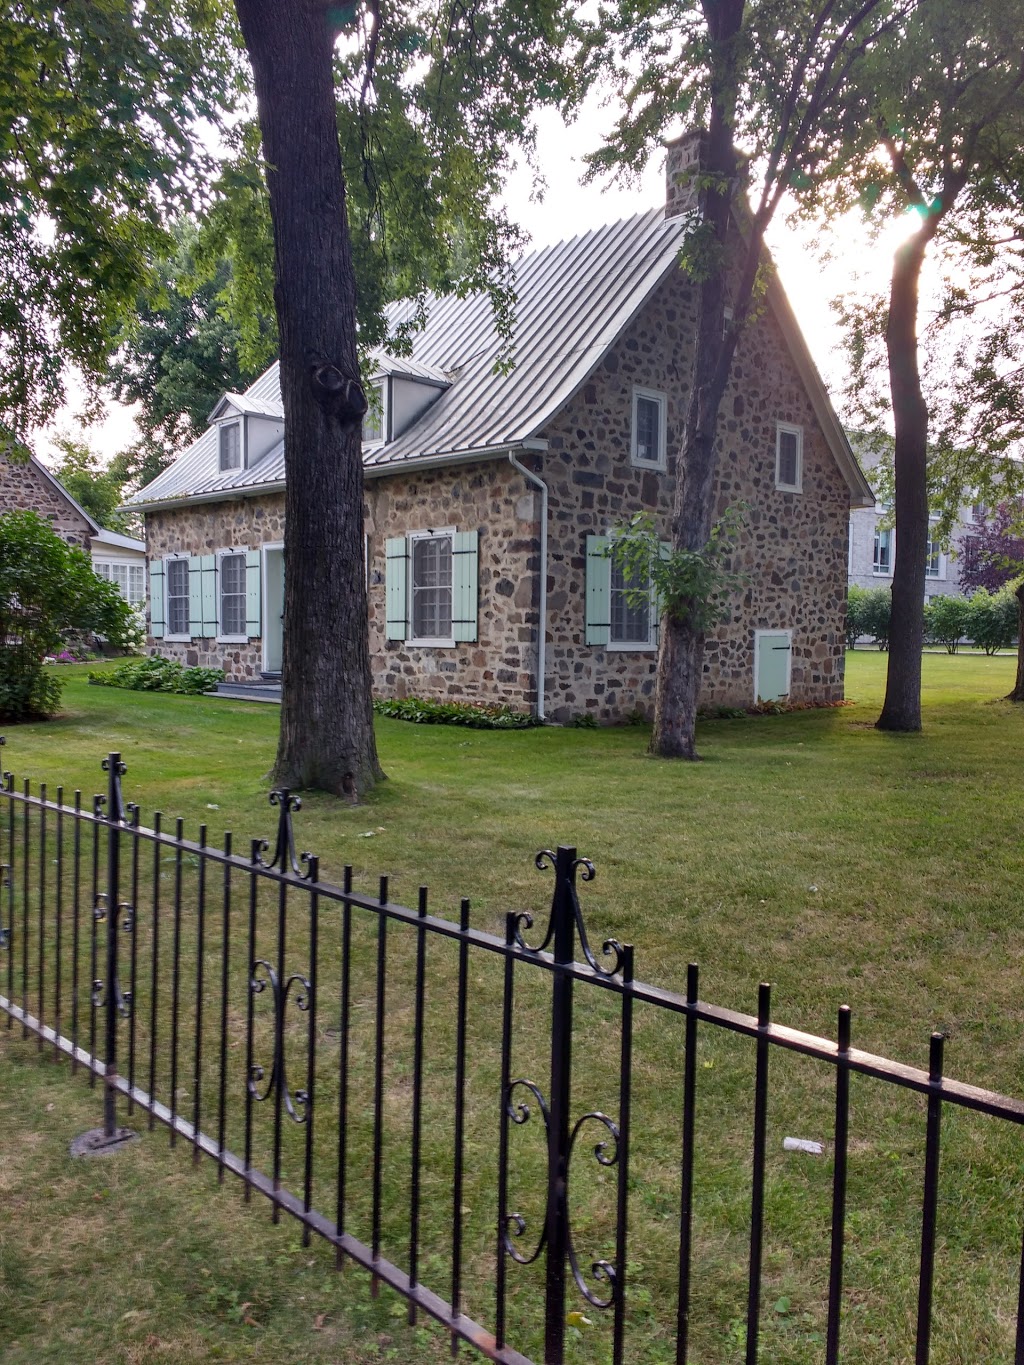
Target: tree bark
326 738
1018 687
681 655
902 707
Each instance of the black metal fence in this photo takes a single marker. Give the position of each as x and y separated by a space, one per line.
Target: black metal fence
254 1010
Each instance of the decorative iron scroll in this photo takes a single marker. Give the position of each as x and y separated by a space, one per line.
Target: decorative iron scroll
126 924
603 1271
565 890
284 857
514 1224
261 976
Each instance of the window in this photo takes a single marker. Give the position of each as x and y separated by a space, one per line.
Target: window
789 458
230 446
375 417
649 436
177 598
933 558
430 586
630 622
883 551
130 580
231 583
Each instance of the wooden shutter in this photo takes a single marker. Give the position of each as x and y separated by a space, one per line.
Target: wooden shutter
208 586
195 596
157 610
396 589
465 559
598 591
253 595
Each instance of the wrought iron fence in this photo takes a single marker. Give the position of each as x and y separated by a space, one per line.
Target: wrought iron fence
194 982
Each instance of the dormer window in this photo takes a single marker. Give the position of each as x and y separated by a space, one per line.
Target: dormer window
230 446
375 419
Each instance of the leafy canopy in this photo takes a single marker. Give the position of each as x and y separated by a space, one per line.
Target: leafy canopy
99 114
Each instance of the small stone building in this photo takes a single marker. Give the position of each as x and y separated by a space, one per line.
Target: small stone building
490 494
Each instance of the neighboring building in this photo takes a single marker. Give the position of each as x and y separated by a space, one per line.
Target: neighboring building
873 540
489 496
30 485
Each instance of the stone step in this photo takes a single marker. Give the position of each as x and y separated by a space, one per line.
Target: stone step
249 691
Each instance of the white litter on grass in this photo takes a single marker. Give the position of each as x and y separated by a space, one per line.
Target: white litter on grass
792 1144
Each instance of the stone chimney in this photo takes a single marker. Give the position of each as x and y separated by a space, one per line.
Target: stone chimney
684 157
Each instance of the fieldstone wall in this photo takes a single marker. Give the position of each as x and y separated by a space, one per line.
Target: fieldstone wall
495 500
241 524
26 487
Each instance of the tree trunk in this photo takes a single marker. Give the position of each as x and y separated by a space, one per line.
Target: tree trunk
902 707
681 655
326 739
1018 687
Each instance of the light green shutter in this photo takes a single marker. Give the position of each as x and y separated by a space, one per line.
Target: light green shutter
208 580
598 591
253 595
657 602
396 589
465 558
195 596
772 665
157 617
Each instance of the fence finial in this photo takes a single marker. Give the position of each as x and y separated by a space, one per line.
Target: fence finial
284 857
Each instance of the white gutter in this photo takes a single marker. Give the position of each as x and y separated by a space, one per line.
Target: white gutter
542 608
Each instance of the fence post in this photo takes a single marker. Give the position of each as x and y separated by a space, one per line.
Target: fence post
557 1222
114 769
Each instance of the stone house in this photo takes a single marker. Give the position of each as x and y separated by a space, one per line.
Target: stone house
29 485
489 496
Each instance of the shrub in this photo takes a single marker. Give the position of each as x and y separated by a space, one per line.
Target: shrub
856 613
158 674
992 619
423 712
875 608
48 591
946 621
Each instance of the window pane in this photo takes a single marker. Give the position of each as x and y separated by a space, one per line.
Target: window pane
432 588
230 447
933 559
136 585
232 594
883 552
630 625
788 458
648 430
177 597
373 419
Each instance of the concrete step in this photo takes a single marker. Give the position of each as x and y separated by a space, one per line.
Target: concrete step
249 691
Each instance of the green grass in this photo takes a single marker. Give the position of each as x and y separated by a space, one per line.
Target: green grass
842 864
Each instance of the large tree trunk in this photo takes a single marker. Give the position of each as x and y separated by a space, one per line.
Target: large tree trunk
1018 687
902 707
681 655
326 738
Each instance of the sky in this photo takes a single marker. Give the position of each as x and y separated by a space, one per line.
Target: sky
568 207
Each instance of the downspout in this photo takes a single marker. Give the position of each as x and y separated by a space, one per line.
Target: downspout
542 631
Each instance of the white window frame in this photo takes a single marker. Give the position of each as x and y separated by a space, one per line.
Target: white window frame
652 396
791 429
222 431
889 531
939 556
631 646
168 634
105 569
429 641
222 637
380 388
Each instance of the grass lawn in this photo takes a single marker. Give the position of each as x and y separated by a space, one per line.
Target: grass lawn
839 863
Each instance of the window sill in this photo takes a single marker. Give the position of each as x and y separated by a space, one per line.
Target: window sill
176 639
658 465
789 488
426 643
631 647
232 639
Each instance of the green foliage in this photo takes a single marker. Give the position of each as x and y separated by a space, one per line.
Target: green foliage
95 487
423 711
157 674
946 621
47 590
181 349
875 610
855 627
99 109
992 619
690 585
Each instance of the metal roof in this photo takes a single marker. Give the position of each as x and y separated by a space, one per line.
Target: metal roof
573 300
